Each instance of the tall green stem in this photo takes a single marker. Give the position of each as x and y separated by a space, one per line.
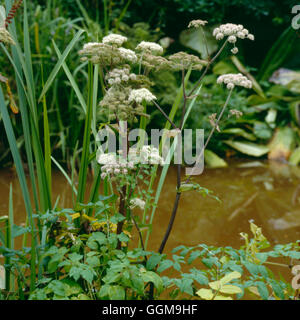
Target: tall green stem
83 171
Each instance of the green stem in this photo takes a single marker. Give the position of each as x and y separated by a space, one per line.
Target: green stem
83 171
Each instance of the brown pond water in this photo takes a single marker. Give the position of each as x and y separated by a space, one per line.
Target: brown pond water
268 193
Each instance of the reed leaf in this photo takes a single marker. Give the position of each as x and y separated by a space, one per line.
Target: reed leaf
60 63
83 171
22 180
71 79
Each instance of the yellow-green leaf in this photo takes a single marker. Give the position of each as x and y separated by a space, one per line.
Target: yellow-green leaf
230 289
206 294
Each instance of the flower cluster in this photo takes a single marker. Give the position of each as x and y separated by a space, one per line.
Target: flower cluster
182 60
114 40
150 47
236 113
153 62
128 55
231 80
116 76
137 202
116 105
146 155
113 165
5 36
232 31
140 95
197 23
108 52
100 53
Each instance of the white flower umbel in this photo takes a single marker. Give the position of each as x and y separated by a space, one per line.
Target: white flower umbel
145 155
107 158
232 31
137 202
114 39
116 76
140 95
234 79
128 55
5 36
151 47
150 154
114 165
91 46
197 23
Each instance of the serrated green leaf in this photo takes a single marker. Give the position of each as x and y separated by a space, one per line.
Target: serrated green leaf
263 290
116 293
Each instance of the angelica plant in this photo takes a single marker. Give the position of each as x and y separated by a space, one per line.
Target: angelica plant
127 80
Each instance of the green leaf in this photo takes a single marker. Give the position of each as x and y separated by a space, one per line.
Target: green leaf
71 287
123 237
104 291
206 294
251 267
96 237
150 276
137 283
93 261
230 276
227 288
86 139
240 132
263 290
193 38
199 276
248 148
282 144
277 289
212 160
208 262
88 275
262 130
116 293
164 265
185 285
60 63
75 257
278 53
71 79
194 255
57 287
153 261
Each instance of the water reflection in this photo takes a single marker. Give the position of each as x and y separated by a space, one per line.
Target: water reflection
268 193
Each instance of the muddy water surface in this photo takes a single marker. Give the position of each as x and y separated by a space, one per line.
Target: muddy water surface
268 193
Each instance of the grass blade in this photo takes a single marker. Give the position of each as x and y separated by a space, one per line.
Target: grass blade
86 139
60 63
65 175
22 180
71 79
